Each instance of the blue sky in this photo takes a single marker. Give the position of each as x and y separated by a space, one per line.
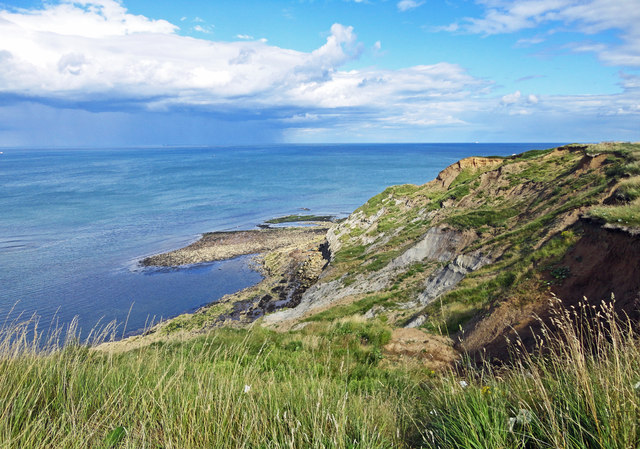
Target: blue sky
139 72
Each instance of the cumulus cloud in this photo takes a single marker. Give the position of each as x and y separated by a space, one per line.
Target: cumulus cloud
83 50
95 56
83 18
585 16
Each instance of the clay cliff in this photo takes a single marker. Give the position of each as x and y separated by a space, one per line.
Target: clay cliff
465 262
476 254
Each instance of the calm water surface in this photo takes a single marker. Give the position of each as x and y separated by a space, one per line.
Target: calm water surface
75 223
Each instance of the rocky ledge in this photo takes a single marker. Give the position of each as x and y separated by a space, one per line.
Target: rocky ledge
225 245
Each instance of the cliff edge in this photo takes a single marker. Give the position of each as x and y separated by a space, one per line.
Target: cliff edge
475 254
464 262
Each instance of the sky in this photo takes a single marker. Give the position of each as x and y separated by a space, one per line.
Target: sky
217 72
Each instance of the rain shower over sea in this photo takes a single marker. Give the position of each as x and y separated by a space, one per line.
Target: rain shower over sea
74 223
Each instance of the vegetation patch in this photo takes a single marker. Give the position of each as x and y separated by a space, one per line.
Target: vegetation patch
625 215
242 388
478 218
583 393
531 154
355 308
300 218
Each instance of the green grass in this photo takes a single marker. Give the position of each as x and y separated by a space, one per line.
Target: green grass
300 218
630 188
355 308
625 215
227 389
327 386
482 217
511 276
531 154
582 392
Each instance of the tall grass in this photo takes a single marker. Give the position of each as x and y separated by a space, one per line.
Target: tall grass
579 389
228 389
326 386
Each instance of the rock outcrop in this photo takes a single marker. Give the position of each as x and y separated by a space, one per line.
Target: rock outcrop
449 174
447 277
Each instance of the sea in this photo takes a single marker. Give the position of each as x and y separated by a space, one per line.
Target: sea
74 223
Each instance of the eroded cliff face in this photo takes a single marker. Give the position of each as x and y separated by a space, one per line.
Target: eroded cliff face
603 264
449 174
478 249
465 261
439 244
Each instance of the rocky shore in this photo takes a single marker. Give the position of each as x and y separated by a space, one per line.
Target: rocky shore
290 260
226 245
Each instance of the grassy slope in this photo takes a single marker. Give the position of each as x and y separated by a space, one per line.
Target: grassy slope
231 388
330 384
521 208
327 386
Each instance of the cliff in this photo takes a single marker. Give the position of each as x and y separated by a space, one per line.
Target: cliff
465 261
477 252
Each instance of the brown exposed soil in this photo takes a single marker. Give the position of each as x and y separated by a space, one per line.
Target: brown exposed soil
446 176
488 336
432 351
603 262
591 163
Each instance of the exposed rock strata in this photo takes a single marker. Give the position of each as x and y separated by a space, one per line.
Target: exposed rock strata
449 174
447 277
439 244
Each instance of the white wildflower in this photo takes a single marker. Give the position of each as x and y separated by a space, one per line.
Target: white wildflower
637 385
523 417
247 388
464 384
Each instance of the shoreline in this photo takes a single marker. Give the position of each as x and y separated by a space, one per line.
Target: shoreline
290 259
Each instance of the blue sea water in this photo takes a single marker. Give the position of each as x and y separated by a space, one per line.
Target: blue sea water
75 222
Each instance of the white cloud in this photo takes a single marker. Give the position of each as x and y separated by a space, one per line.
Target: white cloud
244 37
406 5
74 52
525 42
341 46
512 98
84 18
201 29
97 56
630 82
585 16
